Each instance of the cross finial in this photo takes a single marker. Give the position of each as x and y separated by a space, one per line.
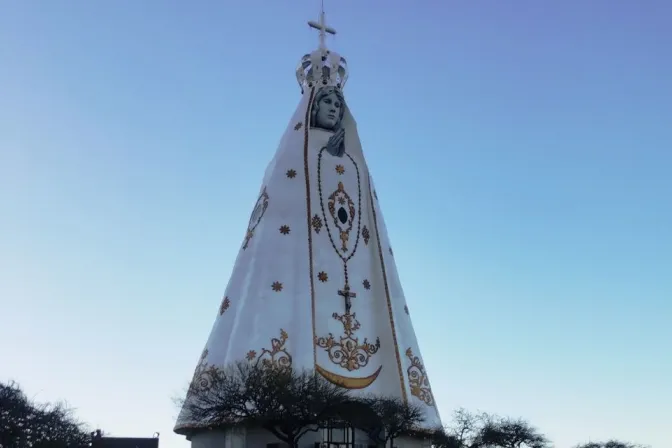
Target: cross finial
322 27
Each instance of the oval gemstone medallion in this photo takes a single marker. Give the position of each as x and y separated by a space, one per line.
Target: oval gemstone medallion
342 215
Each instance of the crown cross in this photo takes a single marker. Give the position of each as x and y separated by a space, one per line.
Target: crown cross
322 27
323 67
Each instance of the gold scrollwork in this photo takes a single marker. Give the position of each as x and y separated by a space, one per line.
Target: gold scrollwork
347 352
276 357
418 381
255 218
204 374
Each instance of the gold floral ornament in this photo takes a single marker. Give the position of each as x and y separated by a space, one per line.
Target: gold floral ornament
298 126
277 356
366 235
285 230
316 222
340 169
323 276
418 381
204 375
367 284
258 213
406 309
291 174
276 286
347 352
226 303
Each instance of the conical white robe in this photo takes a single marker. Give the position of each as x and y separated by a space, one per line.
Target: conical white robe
316 217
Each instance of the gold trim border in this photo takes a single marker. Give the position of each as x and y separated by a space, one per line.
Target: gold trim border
306 169
387 295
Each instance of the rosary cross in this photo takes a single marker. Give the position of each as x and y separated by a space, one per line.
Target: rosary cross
347 295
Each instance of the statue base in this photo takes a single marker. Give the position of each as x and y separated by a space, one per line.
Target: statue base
260 438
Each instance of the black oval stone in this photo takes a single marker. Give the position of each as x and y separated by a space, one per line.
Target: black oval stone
342 215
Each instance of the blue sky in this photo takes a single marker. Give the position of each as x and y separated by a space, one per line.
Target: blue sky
522 152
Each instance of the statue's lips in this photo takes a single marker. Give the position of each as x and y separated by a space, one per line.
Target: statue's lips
333 117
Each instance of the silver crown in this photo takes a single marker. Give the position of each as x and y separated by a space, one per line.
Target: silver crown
322 67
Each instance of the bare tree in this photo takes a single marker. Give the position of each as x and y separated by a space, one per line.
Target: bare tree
24 424
393 416
610 444
467 427
464 431
221 397
299 402
442 439
510 433
285 402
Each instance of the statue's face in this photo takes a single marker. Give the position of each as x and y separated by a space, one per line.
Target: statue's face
329 112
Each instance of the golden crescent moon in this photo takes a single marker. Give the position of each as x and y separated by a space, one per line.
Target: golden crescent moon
348 382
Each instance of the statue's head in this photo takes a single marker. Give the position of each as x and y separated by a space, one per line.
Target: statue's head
328 108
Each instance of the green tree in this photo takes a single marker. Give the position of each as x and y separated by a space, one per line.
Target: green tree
25 424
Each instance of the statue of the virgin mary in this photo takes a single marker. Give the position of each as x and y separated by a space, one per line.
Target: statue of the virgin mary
315 284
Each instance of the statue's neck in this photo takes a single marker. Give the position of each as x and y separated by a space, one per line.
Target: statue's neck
330 130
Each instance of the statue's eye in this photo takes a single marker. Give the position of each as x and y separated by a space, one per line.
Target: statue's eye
327 100
337 104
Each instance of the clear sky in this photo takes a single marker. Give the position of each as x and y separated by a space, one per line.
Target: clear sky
522 152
